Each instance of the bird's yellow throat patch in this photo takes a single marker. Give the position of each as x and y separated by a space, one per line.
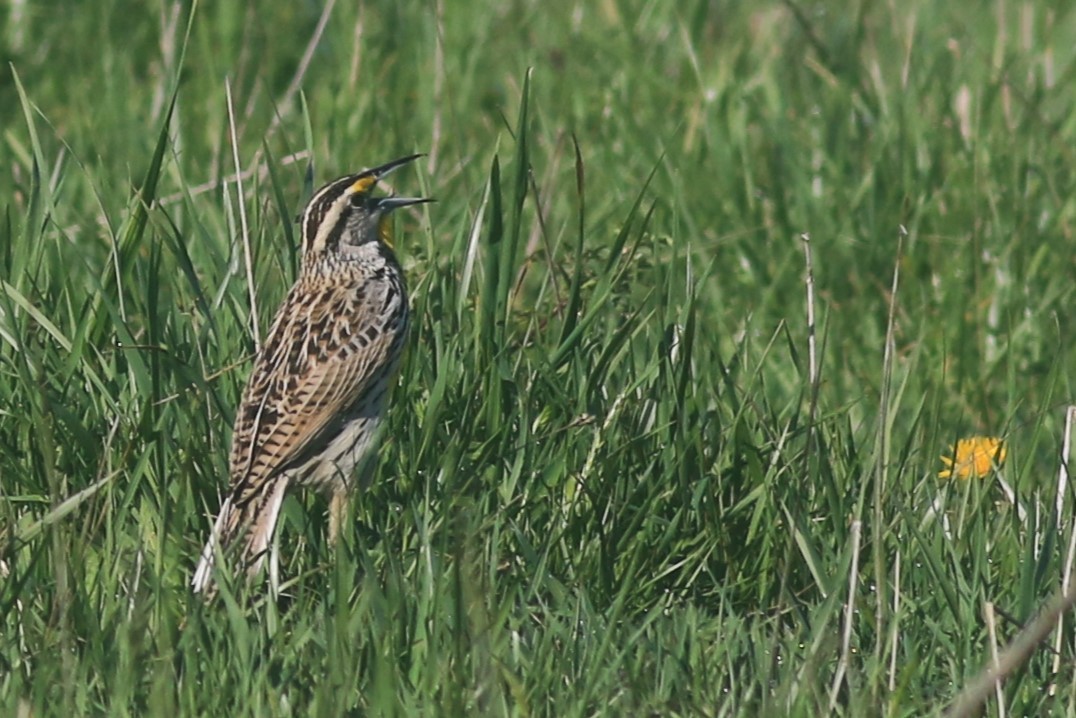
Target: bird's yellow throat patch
385 231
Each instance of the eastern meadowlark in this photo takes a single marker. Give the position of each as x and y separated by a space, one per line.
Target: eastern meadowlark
319 385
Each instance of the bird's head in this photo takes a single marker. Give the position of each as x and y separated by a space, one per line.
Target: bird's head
345 216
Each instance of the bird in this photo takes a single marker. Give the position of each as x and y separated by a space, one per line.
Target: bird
320 383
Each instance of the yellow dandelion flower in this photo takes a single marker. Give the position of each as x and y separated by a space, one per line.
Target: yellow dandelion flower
972 458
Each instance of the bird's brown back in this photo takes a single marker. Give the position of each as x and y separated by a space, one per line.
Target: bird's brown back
336 336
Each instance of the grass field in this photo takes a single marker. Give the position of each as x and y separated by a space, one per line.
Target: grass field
620 476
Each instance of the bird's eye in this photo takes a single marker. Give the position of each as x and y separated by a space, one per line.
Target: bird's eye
358 199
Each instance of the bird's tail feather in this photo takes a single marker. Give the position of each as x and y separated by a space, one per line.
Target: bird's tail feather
254 521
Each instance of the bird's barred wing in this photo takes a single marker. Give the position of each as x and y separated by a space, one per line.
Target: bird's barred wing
325 351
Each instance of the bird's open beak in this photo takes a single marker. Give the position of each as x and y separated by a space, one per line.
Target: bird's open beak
366 180
387 204
379 172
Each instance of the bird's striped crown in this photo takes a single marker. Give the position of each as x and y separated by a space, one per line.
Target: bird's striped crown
345 212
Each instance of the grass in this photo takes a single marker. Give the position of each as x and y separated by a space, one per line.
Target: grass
611 482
